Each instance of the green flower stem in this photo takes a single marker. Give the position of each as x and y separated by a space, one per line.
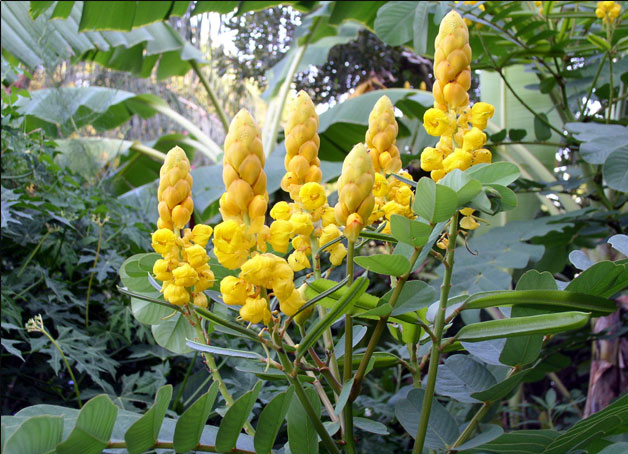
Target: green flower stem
300 392
32 254
379 330
148 151
91 276
185 379
438 333
347 412
466 433
590 91
212 96
211 365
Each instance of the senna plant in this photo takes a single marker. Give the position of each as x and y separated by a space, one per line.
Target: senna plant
271 286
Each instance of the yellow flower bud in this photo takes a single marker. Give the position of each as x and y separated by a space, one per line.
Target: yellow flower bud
431 159
459 159
312 196
443 243
201 234
380 187
292 304
473 140
255 310
301 223
200 300
353 227
338 254
195 255
481 113
176 294
328 217
438 123
233 290
381 137
329 233
175 188
281 211
469 223
161 271
185 275
279 236
298 261
163 241
231 244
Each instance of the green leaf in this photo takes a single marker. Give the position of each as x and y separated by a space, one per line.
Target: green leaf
519 442
517 134
612 418
420 27
489 432
615 170
394 22
442 429
343 397
523 326
507 198
599 140
172 333
223 351
541 130
502 389
466 187
368 425
93 429
599 42
434 202
270 421
502 173
142 435
414 296
603 279
302 435
235 418
412 232
191 423
344 304
214 318
460 376
546 85
390 265
36 435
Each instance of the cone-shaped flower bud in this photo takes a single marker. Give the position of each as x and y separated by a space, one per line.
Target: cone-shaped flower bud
302 142
451 64
175 190
245 199
355 192
382 136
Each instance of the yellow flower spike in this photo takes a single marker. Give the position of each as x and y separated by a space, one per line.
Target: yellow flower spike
175 189
161 270
381 137
608 11
337 254
298 261
292 304
255 310
468 223
281 211
176 294
233 290
459 159
481 113
431 159
302 143
355 192
438 123
279 235
163 241
185 275
302 223
312 196
452 58
245 199
473 140
200 300
195 255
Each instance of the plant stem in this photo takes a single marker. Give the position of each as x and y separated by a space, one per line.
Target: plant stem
300 392
170 446
466 433
438 333
348 359
67 365
32 254
590 91
211 365
185 379
148 151
212 96
91 276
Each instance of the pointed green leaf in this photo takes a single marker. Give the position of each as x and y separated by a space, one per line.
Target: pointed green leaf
502 173
142 435
223 351
270 421
235 418
173 332
214 318
603 279
414 296
507 198
434 202
302 435
502 389
344 304
93 427
390 265
409 231
190 424
466 187
523 326
460 376
368 425
36 435
519 442
343 397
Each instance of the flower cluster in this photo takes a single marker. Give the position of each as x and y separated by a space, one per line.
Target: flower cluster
608 11
183 268
459 127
